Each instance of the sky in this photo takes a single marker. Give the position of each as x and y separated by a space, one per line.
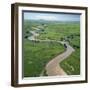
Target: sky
51 16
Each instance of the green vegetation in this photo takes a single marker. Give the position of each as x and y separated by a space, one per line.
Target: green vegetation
56 31
71 65
38 54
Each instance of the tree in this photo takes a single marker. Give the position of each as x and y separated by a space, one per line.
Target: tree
26 37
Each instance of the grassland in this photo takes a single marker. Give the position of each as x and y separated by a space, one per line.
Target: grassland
57 31
37 54
71 65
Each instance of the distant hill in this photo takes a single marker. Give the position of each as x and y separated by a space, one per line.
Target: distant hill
53 21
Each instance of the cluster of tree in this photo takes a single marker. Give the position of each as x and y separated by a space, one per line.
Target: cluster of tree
76 46
69 38
27 34
26 37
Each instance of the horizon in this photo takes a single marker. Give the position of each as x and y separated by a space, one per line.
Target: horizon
51 16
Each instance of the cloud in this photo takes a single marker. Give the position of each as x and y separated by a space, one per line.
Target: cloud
51 16
46 17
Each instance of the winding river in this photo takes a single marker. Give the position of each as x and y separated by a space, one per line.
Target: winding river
53 66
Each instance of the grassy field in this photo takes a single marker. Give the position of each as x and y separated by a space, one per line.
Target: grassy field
37 54
57 31
71 65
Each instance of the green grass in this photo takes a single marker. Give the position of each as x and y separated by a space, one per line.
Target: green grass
71 65
57 31
36 55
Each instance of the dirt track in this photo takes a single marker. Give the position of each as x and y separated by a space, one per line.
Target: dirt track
53 67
